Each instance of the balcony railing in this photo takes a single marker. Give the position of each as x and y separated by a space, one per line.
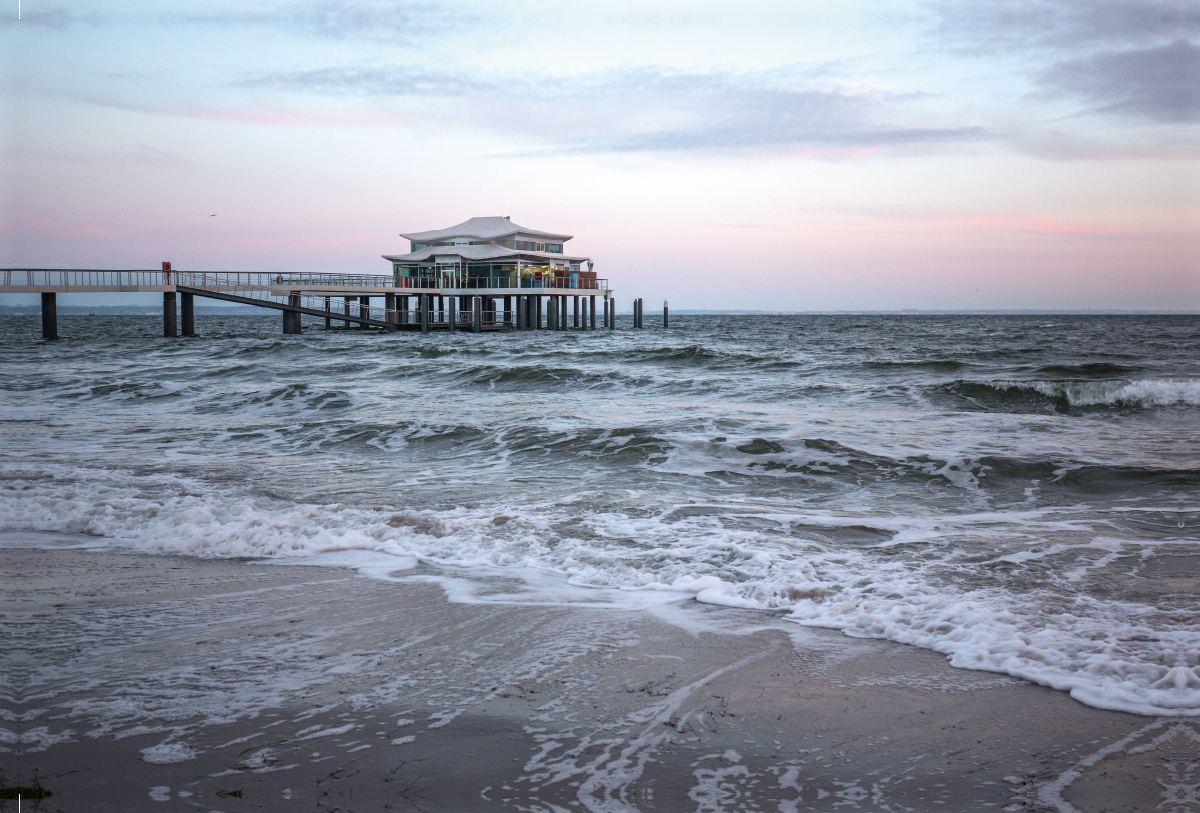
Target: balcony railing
448 282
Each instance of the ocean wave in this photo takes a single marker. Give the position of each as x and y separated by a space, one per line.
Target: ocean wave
1065 395
1016 605
932 365
1102 369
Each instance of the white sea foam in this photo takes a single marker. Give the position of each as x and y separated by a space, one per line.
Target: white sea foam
167 753
916 588
1140 393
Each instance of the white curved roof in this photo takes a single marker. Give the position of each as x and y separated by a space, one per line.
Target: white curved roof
483 228
479 253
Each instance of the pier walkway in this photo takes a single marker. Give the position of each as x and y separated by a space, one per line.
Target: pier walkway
416 304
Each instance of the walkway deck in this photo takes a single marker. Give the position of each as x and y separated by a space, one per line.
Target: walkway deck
437 304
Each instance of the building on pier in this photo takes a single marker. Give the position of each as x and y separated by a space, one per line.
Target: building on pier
487 274
490 252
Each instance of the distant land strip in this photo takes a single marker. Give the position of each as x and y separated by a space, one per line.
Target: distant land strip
245 310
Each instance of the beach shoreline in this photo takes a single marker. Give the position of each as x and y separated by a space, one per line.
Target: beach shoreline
136 678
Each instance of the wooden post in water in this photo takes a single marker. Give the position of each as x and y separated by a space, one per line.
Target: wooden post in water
592 307
187 310
328 310
508 312
562 306
50 315
477 314
665 312
170 330
426 309
575 321
452 311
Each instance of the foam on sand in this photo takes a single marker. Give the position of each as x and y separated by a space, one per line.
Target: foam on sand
1024 611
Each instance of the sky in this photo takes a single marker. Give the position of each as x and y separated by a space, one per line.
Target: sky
950 154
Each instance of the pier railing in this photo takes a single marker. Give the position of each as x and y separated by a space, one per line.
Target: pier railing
350 306
267 278
80 278
110 278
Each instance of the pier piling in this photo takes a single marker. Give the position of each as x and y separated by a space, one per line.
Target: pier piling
328 310
187 312
665 312
348 300
170 329
49 316
389 312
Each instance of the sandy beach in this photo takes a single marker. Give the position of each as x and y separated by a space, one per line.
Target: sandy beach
139 682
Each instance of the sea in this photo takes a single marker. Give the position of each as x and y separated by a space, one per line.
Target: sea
1019 493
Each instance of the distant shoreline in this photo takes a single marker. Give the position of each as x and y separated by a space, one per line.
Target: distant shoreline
137 310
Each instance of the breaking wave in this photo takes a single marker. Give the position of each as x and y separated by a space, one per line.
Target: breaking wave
1066 395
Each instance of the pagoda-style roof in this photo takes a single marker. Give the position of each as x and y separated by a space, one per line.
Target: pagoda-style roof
484 252
482 228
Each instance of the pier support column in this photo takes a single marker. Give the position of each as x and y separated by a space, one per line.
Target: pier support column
50 316
452 312
591 307
575 311
364 309
291 319
508 311
170 330
389 312
426 301
477 314
537 312
187 312
441 309
328 310
348 300
562 312
403 303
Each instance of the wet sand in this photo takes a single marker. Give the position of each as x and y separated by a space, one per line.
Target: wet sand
135 682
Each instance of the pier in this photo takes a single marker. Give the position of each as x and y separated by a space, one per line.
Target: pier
409 303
